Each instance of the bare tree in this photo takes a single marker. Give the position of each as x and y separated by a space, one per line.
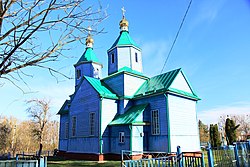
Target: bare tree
36 32
5 135
39 114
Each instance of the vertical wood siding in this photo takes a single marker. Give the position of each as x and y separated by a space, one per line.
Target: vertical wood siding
181 83
115 145
155 142
112 67
109 110
131 84
62 140
183 124
136 65
137 138
123 57
116 84
85 102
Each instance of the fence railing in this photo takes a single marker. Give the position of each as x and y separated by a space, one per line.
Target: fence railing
162 159
237 155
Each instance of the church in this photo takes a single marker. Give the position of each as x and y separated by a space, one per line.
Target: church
126 110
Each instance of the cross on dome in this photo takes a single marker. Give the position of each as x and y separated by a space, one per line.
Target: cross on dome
89 40
123 12
123 22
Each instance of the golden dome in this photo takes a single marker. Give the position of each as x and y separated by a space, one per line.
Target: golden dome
123 23
89 40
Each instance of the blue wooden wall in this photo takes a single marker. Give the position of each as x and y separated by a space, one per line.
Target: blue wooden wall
86 100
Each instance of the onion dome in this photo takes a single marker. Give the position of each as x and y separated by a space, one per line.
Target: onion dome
89 41
124 24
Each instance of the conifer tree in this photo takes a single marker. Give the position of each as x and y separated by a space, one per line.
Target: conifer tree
214 135
230 130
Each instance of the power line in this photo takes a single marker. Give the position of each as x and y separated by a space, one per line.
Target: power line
176 36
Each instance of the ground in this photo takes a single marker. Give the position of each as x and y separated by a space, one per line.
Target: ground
83 163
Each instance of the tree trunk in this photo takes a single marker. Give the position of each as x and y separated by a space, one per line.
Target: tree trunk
39 153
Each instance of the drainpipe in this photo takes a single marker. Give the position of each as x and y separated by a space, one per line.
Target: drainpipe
100 127
168 123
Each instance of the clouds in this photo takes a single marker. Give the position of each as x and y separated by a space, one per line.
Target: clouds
212 115
206 12
154 54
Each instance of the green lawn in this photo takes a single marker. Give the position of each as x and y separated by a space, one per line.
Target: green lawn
83 163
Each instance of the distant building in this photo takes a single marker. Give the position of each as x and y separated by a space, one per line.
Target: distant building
126 110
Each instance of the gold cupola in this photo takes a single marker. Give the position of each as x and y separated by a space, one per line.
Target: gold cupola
89 41
123 23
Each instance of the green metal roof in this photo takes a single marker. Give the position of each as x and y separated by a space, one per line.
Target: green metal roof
100 88
123 40
127 69
129 117
88 55
161 84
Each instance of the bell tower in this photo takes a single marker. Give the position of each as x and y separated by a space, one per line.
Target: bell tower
124 52
88 64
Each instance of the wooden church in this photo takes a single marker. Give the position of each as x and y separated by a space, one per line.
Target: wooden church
126 110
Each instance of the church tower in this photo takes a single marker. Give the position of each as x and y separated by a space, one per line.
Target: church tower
88 64
124 52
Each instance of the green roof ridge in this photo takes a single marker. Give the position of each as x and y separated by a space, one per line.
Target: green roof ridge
100 88
129 117
123 40
88 55
157 83
130 70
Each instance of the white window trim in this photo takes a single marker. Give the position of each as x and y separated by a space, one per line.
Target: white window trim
90 124
121 137
66 130
155 122
74 126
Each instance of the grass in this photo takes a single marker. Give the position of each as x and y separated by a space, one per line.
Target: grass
83 163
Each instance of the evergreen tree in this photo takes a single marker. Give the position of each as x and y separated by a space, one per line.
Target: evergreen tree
214 135
230 130
204 132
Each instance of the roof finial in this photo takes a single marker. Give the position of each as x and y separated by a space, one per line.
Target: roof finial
123 12
89 39
123 22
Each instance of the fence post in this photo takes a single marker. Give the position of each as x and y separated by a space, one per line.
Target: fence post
179 156
236 154
210 156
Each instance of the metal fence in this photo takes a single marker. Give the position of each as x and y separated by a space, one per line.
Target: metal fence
237 155
162 159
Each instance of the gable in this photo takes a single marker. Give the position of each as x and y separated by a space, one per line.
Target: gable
173 82
181 83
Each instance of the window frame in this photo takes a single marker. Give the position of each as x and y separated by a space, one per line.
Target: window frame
136 57
78 73
155 122
112 58
66 130
92 123
74 120
121 137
